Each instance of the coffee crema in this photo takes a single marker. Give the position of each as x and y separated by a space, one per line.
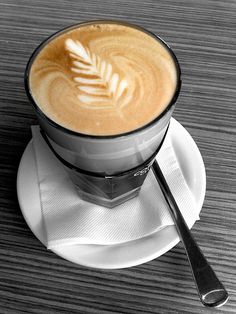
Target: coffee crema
103 78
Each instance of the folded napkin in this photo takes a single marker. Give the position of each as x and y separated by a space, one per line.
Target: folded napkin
70 220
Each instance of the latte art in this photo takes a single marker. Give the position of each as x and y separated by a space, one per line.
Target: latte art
103 78
96 81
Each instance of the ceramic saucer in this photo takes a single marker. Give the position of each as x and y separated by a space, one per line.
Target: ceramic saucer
127 254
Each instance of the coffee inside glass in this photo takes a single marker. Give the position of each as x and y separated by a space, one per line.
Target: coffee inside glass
104 93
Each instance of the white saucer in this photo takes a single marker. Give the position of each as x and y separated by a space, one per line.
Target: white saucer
122 255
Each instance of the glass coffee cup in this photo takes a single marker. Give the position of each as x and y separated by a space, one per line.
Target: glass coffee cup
106 169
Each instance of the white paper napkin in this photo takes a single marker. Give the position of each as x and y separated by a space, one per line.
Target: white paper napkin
70 220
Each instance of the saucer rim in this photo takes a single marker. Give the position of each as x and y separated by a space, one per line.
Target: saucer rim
63 252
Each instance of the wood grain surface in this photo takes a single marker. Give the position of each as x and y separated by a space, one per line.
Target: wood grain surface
203 35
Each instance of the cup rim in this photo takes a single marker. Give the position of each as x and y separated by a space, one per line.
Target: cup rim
83 24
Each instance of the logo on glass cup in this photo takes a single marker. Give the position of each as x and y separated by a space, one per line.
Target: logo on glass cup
142 172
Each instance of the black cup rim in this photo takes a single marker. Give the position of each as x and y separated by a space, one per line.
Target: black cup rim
97 137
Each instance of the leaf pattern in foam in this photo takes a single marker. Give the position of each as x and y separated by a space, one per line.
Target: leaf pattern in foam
95 77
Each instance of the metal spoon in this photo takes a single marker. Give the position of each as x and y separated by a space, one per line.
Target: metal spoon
211 291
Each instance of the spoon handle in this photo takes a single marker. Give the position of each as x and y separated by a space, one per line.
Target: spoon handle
211 291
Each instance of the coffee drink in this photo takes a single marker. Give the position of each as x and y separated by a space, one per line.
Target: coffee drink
103 78
104 93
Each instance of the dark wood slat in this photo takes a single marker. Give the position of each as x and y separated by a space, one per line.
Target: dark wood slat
203 35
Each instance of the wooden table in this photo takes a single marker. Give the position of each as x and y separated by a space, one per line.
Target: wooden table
203 36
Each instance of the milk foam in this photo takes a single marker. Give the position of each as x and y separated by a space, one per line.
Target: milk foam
96 81
103 79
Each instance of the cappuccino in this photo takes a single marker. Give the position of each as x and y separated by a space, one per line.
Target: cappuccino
103 78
